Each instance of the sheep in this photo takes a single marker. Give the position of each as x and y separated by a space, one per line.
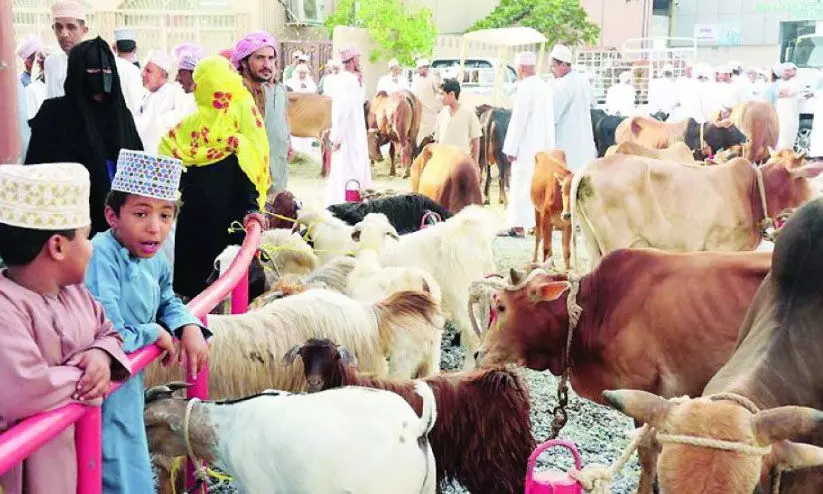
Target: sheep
331 276
288 253
369 282
342 440
246 348
405 211
482 437
331 236
456 252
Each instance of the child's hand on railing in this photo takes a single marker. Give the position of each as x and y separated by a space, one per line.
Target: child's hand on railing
94 382
194 351
166 343
258 217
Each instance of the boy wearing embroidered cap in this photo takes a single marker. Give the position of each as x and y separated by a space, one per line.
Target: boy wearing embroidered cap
57 345
135 287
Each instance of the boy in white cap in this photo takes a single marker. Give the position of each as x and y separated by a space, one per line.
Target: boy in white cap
572 110
58 346
620 96
131 80
156 114
350 155
531 130
69 25
427 87
27 51
393 81
134 285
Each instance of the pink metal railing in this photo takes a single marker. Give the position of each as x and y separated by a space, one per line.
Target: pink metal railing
17 443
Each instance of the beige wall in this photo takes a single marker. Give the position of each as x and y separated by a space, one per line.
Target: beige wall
756 55
619 20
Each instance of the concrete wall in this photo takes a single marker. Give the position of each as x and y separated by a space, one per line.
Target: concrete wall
619 20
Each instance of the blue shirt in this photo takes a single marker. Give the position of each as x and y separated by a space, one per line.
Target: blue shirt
138 298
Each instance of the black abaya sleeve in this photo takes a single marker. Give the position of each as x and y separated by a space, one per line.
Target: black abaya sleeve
49 140
248 191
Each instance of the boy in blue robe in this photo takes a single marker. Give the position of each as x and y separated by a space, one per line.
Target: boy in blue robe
134 285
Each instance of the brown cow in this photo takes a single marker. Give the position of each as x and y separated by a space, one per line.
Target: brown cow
773 369
397 118
494 122
631 201
376 109
550 175
677 151
758 122
704 139
309 116
447 175
651 320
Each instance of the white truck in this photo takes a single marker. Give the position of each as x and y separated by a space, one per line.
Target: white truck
806 51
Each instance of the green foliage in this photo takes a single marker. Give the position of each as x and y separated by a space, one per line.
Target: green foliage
561 21
397 32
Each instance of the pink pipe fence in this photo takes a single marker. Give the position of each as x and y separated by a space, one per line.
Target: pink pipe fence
17 443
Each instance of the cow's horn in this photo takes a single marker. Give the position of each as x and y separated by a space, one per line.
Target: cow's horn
516 277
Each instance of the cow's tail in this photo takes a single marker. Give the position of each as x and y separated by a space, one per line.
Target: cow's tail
579 218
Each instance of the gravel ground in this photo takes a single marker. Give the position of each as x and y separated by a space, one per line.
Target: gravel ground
600 433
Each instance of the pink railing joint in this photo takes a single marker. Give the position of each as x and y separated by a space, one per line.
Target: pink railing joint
19 442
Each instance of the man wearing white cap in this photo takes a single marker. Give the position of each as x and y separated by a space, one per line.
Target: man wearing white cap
327 82
159 100
426 88
620 96
301 81
663 93
69 25
789 92
295 61
572 110
392 81
728 92
531 130
698 99
27 52
350 156
131 80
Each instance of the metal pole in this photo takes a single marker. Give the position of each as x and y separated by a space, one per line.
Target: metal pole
9 131
88 434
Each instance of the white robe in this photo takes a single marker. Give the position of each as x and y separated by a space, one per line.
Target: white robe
56 66
131 83
391 84
620 99
306 85
816 137
35 96
663 96
531 130
729 95
788 113
425 88
329 84
351 161
157 115
573 120
698 99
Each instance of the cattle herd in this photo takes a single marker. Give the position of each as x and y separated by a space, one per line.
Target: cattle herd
697 315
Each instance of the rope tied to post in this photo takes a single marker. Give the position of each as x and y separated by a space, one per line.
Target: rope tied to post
200 472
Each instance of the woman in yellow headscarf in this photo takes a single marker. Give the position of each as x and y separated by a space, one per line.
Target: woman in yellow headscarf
226 154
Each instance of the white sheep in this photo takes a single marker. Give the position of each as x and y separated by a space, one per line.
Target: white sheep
369 281
246 349
331 235
330 276
352 439
456 252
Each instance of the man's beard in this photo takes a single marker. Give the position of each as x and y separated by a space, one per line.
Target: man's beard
260 78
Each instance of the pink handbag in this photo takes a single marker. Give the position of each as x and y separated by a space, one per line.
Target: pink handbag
353 195
552 481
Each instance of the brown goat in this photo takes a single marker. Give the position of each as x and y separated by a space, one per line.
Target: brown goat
482 437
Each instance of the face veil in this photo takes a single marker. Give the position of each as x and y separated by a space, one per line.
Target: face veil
99 75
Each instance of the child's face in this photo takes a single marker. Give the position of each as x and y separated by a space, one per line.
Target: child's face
143 224
75 255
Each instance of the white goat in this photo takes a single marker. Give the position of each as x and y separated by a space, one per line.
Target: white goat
456 252
331 235
369 281
349 439
246 349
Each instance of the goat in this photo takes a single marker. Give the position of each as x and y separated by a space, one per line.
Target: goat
405 212
331 236
246 348
342 440
482 437
369 282
456 252
330 276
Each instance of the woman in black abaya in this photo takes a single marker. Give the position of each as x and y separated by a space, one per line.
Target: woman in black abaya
89 125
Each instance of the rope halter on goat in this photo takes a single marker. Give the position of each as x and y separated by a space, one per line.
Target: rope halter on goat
597 479
200 472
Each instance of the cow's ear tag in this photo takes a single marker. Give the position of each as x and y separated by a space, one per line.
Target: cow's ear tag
550 291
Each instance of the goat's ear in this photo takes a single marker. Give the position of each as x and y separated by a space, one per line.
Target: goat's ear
346 357
516 276
355 234
215 273
292 354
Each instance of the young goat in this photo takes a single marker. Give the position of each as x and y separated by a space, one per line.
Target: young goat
482 437
342 440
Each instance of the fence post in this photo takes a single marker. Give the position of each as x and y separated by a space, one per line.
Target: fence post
88 439
198 388
240 295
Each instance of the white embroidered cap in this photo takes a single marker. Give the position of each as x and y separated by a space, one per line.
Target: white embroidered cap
561 53
526 58
125 34
161 59
68 8
422 62
147 175
51 196
28 46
